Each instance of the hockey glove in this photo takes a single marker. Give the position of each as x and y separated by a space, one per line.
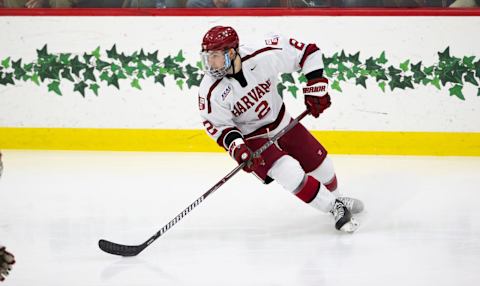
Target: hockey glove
6 261
316 94
239 151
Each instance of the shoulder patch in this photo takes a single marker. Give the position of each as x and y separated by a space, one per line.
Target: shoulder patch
272 41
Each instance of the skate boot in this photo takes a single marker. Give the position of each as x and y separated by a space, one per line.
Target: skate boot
343 218
355 206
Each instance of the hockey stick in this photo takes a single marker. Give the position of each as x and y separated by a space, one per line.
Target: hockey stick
132 250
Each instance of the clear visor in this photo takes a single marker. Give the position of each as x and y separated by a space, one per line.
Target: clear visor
215 63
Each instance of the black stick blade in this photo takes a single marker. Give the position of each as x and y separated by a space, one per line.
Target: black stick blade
120 249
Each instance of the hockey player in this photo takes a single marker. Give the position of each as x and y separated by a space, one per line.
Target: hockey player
6 261
241 108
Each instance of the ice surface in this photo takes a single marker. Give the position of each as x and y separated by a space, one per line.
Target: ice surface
421 225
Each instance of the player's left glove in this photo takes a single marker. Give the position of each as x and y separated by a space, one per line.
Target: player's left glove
239 151
6 261
316 94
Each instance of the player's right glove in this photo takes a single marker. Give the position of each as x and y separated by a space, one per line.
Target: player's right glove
6 261
239 151
316 94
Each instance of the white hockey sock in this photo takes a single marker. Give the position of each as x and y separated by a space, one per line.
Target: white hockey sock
325 173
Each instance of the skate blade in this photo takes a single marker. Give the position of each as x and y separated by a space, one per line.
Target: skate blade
350 226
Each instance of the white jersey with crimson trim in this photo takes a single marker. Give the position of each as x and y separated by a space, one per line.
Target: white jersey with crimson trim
225 105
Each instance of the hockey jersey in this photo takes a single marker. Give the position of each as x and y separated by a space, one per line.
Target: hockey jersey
257 108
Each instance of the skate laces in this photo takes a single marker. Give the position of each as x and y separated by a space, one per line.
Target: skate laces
338 210
348 202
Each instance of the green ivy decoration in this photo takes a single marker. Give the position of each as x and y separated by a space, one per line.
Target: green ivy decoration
87 71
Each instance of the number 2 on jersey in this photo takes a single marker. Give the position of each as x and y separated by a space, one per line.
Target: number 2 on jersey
262 109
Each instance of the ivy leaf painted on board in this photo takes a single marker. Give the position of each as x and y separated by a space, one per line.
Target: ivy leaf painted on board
125 59
55 87
382 59
193 81
457 91
112 53
34 79
287 77
6 63
404 65
80 87
87 57
336 85
19 72
470 77
329 72
142 56
180 83
361 80
89 75
302 79
65 58
96 53
7 79
153 57
407 82
67 74
169 63
136 84
380 76
160 78
199 65
436 82
418 74
350 74
43 53
342 57
382 85
468 61
371 64
293 90
76 66
445 55
326 60
113 80
395 82
392 71
354 59
178 74
179 58
94 87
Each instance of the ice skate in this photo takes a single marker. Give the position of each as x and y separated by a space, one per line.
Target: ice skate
343 218
355 206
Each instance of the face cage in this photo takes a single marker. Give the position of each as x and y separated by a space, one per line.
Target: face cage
215 73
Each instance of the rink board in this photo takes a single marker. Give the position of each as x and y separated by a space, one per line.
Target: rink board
336 142
142 114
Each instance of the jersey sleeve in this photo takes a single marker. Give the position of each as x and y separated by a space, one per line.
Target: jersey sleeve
292 55
216 117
